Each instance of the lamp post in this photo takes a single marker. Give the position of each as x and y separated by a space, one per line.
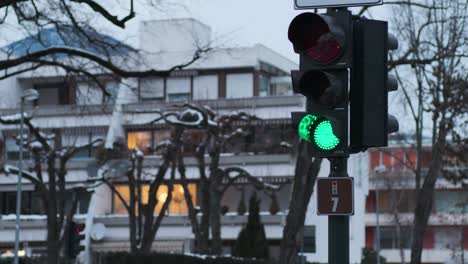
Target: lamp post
28 95
379 171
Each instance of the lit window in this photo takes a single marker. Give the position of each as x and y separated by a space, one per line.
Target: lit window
141 140
176 206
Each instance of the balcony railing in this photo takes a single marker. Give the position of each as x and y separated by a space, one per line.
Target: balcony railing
222 103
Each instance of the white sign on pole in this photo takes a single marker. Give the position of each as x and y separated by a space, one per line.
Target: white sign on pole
308 4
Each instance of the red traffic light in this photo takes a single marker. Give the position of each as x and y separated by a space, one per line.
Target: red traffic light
316 36
78 228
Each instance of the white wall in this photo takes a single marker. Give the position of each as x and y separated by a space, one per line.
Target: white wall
173 35
10 91
239 85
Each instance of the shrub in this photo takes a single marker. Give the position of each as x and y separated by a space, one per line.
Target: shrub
165 258
252 242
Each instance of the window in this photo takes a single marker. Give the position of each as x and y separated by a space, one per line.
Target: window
308 244
112 88
281 85
270 138
448 237
80 139
88 94
264 85
451 201
31 203
239 85
403 201
140 140
178 89
151 88
205 87
389 237
54 94
176 206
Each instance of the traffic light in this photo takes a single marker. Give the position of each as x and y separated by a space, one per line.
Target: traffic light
74 238
324 43
370 122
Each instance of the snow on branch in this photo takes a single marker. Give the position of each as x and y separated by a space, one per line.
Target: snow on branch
14 119
9 169
234 173
191 117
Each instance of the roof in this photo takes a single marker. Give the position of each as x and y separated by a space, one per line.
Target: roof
237 57
85 38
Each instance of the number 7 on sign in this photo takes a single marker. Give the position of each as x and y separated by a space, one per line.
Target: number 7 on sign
335 203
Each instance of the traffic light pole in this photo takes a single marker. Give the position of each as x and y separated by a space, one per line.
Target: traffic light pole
338 225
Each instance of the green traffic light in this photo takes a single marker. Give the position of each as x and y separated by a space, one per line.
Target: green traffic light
305 126
322 135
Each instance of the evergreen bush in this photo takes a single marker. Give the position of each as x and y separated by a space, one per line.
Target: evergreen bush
369 256
252 242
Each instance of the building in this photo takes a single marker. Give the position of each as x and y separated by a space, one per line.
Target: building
251 79
392 179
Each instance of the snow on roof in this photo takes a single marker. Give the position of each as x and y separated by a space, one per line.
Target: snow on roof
223 58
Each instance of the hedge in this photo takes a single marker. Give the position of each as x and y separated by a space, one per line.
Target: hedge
164 258
23 260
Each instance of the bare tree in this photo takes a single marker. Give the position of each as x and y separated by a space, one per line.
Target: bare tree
219 130
51 158
60 36
440 94
143 223
434 38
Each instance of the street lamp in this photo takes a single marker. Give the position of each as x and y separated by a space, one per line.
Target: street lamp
28 95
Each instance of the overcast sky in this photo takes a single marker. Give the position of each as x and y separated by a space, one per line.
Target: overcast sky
238 23
242 22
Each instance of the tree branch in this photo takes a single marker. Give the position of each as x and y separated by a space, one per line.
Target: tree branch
103 11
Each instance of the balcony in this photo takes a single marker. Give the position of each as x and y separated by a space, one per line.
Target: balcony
222 103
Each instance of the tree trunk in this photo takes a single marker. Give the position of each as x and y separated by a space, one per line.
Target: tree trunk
52 228
215 211
204 242
304 180
423 208
52 239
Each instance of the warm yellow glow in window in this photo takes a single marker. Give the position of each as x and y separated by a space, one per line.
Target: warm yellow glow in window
141 140
176 206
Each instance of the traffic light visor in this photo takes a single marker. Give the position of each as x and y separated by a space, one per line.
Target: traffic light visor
318 131
311 35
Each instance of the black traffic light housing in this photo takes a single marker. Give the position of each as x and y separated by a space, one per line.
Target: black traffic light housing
74 237
324 42
370 122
